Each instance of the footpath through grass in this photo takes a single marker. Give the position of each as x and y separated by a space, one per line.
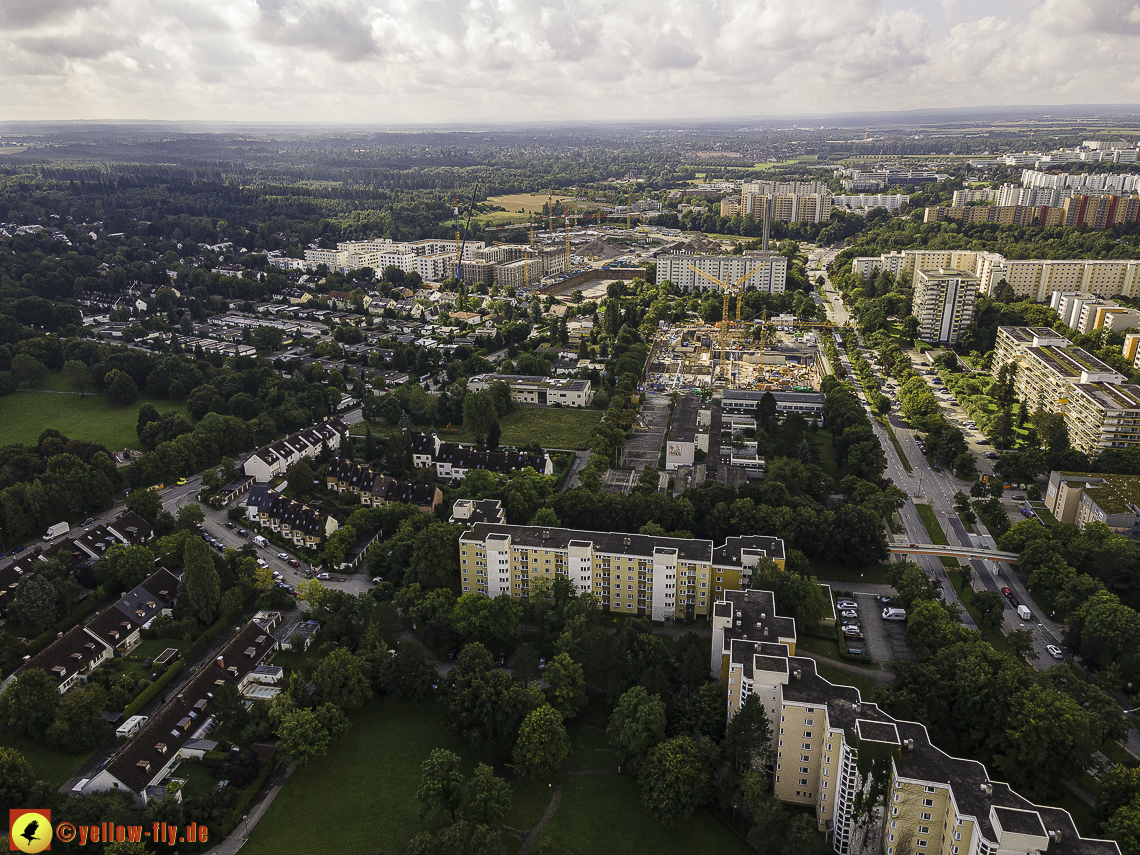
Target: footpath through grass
93 418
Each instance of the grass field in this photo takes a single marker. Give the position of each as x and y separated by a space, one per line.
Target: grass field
48 765
360 798
824 442
93 418
550 428
529 202
603 813
844 575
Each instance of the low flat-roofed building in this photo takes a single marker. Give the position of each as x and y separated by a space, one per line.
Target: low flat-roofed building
1081 497
540 391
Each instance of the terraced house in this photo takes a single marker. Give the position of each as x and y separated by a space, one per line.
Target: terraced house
453 461
662 577
274 459
935 804
376 490
294 521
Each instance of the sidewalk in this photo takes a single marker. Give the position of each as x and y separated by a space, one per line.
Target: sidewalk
240 832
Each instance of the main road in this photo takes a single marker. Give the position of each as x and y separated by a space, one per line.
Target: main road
937 488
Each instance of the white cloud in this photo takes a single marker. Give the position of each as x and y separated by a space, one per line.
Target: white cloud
444 60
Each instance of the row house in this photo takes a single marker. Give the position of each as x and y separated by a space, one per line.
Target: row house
179 730
453 461
274 459
375 490
79 651
294 521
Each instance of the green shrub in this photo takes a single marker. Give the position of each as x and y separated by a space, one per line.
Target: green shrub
147 694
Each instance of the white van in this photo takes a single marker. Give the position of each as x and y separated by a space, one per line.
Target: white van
894 614
1024 613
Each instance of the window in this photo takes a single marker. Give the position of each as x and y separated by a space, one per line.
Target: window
807 746
890 838
924 829
922 843
928 802
808 722
807 734
957 835
896 797
806 758
893 823
928 789
804 770
925 816
466 587
803 782
898 784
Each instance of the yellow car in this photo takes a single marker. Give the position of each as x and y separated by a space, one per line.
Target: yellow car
181 481
159 486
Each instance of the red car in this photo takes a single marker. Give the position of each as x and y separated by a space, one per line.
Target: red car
293 562
1007 592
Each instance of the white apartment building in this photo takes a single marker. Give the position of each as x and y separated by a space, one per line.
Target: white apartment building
980 194
539 391
944 304
1099 182
892 201
1036 279
766 271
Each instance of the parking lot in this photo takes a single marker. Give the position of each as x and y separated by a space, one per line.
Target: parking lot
883 640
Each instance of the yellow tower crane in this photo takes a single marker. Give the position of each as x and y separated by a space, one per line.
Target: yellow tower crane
727 291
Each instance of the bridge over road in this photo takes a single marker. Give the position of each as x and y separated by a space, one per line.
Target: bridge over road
953 552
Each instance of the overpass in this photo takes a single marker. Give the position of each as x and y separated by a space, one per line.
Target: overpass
953 552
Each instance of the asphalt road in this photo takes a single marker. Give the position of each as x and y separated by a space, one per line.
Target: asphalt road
937 488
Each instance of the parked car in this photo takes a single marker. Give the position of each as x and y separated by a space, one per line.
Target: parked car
231 525
849 613
261 563
453 653
242 532
1054 651
293 562
855 651
284 556
847 604
983 442
885 600
992 455
376 580
856 636
894 614
324 577
500 660
89 520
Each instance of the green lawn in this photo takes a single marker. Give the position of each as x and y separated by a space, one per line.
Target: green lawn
590 749
930 522
199 778
824 442
845 678
603 813
549 427
361 796
93 418
842 574
49 765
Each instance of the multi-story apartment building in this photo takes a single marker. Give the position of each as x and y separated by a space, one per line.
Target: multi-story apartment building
892 201
944 304
792 201
540 391
1100 410
1032 278
524 273
935 804
768 271
662 577
980 194
1081 497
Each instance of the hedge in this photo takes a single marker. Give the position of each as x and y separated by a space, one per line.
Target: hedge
199 643
246 796
67 622
147 694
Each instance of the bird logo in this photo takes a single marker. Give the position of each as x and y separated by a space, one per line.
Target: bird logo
30 831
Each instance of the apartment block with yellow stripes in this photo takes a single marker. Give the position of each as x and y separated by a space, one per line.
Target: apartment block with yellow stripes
936 804
660 577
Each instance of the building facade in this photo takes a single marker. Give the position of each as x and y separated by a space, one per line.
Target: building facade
538 391
944 304
765 271
661 577
935 804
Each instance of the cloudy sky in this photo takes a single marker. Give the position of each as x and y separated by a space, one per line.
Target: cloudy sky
390 61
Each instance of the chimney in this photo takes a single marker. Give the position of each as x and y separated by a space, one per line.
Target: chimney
627 541
909 744
988 788
796 673
221 664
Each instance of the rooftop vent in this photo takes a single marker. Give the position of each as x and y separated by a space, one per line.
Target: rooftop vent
909 743
988 788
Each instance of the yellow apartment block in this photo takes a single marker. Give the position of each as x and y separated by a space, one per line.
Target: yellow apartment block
936 804
660 577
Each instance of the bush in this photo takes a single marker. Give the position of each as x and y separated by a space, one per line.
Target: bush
147 694
245 797
75 615
205 638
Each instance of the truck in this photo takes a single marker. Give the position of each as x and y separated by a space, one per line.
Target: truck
1024 613
56 530
258 540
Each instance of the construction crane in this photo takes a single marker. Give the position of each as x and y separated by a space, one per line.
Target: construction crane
727 291
457 260
628 207
459 247
550 209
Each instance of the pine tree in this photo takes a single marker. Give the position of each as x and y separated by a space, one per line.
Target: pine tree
200 579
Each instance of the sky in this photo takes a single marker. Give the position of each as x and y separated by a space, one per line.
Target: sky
438 61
